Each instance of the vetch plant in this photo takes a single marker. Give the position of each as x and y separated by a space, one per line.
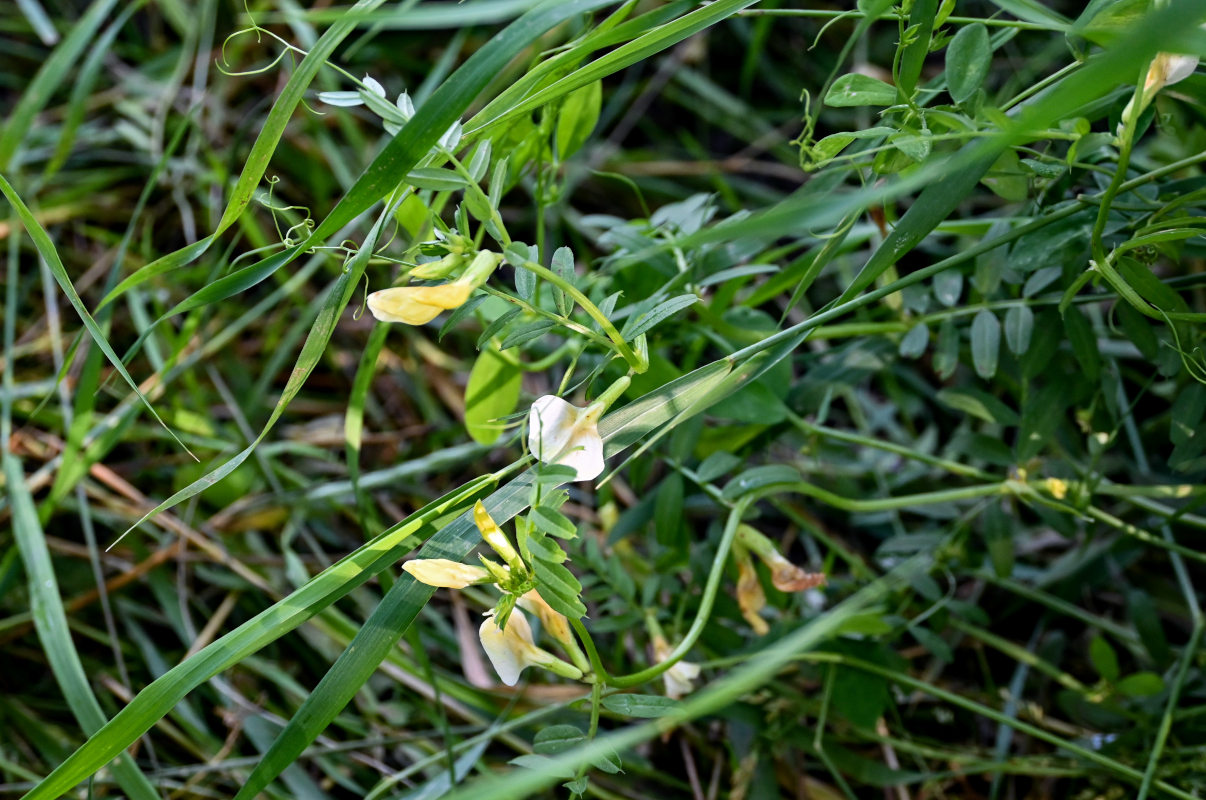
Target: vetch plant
893 345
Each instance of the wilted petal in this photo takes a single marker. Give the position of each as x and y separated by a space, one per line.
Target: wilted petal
445 574
750 597
787 577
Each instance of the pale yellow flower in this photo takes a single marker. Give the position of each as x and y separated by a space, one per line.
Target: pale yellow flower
1165 70
562 433
512 650
680 678
554 623
441 572
417 305
494 536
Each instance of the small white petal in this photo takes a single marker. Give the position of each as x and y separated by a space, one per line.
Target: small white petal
584 454
1179 68
341 99
507 649
550 426
451 137
405 105
680 679
373 86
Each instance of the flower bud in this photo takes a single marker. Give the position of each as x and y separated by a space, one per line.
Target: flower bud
441 572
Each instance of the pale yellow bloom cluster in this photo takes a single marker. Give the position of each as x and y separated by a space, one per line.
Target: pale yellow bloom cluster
510 647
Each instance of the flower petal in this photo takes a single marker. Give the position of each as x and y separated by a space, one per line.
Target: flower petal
551 424
507 649
416 305
554 623
444 573
584 453
373 85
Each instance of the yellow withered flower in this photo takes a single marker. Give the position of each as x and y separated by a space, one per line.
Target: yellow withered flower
750 597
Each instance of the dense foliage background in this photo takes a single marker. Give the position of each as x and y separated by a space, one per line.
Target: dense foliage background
914 293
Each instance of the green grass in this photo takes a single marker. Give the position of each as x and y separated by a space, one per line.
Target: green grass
914 293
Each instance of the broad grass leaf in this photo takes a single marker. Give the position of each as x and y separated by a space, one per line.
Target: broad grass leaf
668 512
50 622
577 118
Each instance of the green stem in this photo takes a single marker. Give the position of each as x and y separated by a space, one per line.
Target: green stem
596 663
638 365
705 603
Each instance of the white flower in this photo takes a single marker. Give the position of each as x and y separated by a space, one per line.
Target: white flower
680 678
441 572
561 433
1165 70
511 650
